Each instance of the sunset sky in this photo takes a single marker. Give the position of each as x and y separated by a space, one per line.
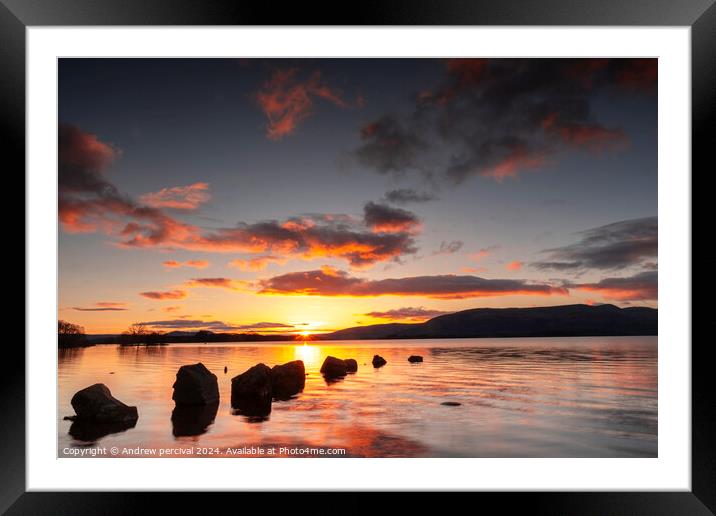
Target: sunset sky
287 196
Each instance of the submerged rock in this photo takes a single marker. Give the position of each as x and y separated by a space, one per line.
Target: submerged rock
415 359
379 361
251 391
195 385
351 365
95 404
334 367
190 420
288 379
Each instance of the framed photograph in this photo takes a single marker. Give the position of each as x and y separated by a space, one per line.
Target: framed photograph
426 248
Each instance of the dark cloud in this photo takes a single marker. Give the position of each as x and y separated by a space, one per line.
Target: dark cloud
382 218
639 287
332 282
449 247
390 145
83 158
407 314
500 117
618 245
409 195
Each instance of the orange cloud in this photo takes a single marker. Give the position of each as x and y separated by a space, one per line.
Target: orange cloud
640 287
518 159
215 283
333 282
514 266
592 137
473 270
89 203
256 264
162 296
196 264
407 314
174 308
482 253
178 197
110 304
286 100
324 237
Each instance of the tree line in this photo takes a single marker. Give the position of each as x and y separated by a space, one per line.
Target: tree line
73 336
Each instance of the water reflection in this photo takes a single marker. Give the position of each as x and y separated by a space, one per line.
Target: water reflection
585 397
191 420
309 353
89 432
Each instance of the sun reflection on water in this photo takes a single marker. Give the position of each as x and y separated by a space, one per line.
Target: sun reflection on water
309 353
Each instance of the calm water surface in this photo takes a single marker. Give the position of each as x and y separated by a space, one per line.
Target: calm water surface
543 397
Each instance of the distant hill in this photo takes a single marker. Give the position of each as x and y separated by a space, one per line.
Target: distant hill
179 336
553 321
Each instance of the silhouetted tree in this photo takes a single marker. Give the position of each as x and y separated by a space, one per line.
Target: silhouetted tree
138 333
70 335
135 334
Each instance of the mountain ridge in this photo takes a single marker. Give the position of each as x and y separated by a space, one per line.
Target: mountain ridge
576 320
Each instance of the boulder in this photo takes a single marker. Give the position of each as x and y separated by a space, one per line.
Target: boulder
96 404
288 379
379 361
415 359
195 385
351 365
334 367
251 391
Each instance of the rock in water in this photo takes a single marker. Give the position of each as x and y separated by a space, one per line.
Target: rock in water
288 379
195 385
351 365
451 403
251 391
415 359
379 361
334 367
96 404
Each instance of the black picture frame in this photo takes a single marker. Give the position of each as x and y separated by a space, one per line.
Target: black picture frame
17 15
